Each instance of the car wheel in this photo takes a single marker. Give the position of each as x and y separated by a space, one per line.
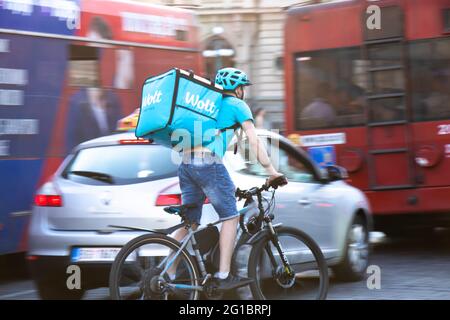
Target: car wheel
56 290
356 255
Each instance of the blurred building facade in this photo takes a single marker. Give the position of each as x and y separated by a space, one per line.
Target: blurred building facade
246 34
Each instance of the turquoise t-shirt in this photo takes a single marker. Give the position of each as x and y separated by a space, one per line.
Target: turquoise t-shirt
232 111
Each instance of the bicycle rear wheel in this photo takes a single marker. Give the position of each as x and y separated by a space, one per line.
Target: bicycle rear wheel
308 279
135 273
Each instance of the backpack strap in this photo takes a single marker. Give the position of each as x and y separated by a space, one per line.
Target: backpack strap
239 141
234 127
239 137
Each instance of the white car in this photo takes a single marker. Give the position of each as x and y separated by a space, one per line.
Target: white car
117 180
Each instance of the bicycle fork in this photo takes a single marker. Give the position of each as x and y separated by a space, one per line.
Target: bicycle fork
276 242
274 238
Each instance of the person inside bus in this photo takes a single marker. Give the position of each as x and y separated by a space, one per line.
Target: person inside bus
349 99
321 108
350 104
93 110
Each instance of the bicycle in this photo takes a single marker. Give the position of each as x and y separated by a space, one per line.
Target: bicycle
279 272
141 268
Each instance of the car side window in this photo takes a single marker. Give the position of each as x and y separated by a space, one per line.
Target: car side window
284 160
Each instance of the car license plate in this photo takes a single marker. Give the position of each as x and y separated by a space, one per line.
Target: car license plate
95 254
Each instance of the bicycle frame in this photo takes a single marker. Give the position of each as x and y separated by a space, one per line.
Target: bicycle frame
265 230
191 239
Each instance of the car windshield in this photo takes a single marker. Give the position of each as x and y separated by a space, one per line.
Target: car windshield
122 164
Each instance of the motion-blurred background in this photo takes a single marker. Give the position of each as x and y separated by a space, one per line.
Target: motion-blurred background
356 83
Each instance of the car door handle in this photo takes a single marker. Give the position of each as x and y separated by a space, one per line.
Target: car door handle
304 202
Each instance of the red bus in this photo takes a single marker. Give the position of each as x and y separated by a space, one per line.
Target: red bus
368 88
69 69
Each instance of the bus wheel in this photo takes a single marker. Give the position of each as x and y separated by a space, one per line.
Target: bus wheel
356 253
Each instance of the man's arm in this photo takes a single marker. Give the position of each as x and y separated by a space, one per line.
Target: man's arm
258 149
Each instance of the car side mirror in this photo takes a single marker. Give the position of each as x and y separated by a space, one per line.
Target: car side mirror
336 173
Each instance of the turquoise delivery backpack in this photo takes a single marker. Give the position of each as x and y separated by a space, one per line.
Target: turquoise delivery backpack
178 99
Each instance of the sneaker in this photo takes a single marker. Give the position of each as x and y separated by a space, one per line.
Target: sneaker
231 282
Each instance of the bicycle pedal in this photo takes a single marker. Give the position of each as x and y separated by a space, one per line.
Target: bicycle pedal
208 276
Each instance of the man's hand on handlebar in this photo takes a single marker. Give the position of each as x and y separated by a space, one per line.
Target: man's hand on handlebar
276 180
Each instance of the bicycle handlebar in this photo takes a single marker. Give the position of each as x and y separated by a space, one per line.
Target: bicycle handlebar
275 183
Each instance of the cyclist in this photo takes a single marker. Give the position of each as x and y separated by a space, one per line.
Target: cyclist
202 173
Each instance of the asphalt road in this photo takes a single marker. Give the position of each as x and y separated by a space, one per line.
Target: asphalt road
414 267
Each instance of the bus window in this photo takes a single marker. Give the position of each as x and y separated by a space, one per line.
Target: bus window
83 66
94 102
330 89
446 14
382 55
387 79
387 109
430 79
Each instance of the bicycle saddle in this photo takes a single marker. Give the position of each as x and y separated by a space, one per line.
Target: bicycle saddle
180 209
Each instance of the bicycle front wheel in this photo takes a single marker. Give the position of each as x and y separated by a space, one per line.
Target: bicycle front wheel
305 277
136 273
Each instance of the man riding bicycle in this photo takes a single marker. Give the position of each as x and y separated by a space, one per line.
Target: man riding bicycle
202 173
